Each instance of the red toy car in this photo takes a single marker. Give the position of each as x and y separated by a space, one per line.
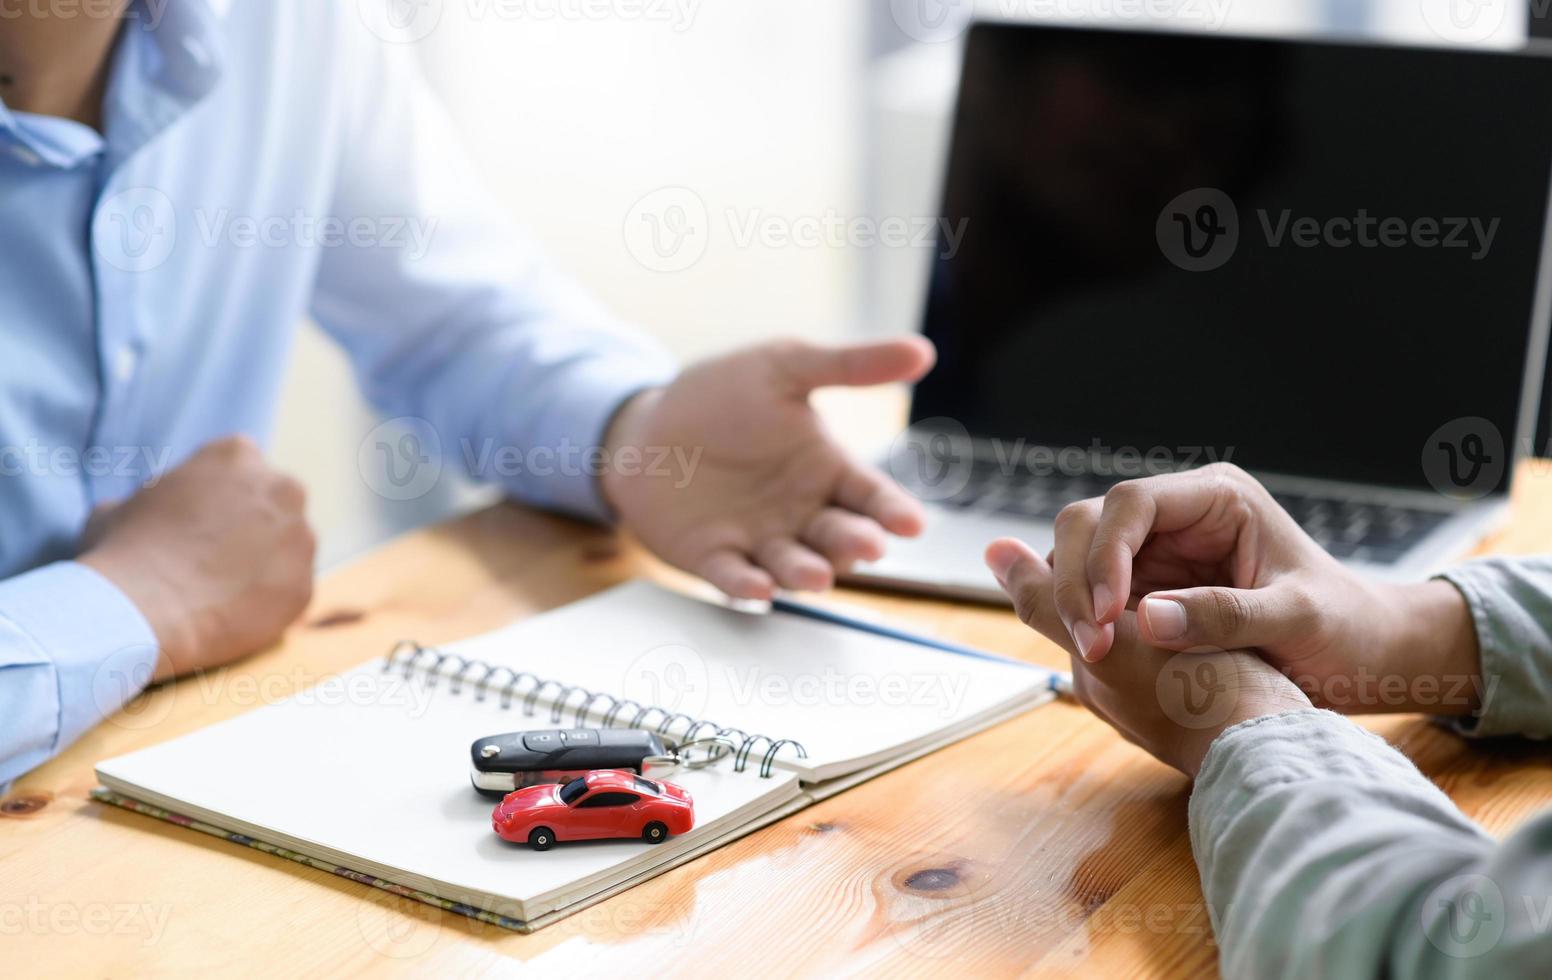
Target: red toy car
604 803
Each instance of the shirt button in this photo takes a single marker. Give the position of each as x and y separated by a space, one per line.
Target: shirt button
124 363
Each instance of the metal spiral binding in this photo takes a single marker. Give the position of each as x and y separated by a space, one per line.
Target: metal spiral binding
482 676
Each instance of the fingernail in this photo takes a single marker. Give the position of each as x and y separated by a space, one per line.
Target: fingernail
1103 597
1166 618
1084 636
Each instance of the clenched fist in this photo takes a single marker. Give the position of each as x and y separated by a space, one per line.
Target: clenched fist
217 556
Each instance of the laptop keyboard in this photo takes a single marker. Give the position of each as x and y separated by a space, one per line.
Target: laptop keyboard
1348 529
1361 531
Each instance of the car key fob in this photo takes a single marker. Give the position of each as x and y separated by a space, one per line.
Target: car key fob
503 763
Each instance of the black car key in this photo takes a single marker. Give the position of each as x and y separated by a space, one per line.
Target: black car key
503 763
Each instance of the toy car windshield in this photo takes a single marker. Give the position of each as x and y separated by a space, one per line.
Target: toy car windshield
573 790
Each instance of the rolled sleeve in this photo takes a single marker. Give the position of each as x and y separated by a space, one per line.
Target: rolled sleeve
1511 608
1261 757
1324 852
73 650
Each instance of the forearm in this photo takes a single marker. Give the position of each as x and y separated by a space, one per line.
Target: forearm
515 368
1430 663
1324 852
1474 645
525 403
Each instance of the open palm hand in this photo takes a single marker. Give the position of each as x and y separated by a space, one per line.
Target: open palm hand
755 493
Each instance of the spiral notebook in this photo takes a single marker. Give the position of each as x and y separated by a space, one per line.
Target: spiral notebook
365 775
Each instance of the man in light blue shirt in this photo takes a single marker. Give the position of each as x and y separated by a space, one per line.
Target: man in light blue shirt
180 182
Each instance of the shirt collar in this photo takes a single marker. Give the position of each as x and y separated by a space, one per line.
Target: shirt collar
168 57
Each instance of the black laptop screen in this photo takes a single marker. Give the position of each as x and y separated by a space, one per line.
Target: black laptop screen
1311 256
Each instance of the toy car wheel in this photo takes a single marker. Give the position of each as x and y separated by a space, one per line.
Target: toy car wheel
655 833
541 839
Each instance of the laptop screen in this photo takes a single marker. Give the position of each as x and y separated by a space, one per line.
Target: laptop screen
1307 257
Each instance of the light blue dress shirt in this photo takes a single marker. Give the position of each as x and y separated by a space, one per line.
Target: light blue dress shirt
259 161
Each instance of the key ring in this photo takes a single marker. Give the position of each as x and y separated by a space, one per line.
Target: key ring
681 756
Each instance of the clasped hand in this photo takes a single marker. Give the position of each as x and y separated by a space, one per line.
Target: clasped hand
1191 602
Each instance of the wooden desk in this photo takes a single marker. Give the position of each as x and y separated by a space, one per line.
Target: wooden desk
1062 849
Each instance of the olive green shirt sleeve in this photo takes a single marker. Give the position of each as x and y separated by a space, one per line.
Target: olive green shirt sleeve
1511 606
1325 853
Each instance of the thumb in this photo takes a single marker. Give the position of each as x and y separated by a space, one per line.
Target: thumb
1229 619
808 366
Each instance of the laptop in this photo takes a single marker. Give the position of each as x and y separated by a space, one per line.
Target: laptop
1321 261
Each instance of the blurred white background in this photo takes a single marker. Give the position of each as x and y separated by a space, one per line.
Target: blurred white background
801 113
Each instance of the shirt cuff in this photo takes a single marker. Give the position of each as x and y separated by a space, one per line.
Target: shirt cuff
101 648
1510 616
1261 756
572 428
